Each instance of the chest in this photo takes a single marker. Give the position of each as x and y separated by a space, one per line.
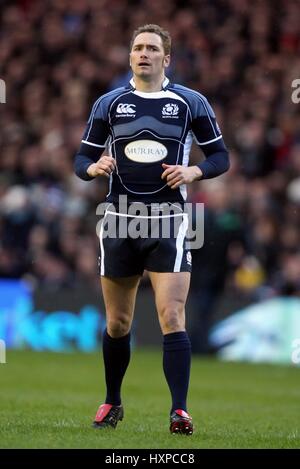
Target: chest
165 117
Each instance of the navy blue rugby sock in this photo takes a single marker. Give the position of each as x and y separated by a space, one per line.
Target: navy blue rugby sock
176 365
116 356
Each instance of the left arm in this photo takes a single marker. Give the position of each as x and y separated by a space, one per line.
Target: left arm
216 163
217 159
208 137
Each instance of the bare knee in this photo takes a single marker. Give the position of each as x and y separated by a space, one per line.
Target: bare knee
172 317
118 325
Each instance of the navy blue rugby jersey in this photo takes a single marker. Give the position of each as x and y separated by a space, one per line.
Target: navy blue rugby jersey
142 131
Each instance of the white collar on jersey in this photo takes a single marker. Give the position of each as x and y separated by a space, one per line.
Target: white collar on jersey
163 86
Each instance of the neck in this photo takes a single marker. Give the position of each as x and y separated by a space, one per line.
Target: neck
148 86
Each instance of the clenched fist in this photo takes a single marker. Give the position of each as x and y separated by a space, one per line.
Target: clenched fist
175 175
104 167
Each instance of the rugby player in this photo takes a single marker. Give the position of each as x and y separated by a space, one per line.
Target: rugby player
139 137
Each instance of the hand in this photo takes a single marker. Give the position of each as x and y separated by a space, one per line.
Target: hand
104 167
177 174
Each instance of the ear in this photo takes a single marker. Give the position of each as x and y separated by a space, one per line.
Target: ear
167 60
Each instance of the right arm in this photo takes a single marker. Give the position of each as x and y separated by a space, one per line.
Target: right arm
89 161
88 168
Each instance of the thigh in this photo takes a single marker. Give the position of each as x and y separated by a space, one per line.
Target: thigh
119 297
119 294
171 291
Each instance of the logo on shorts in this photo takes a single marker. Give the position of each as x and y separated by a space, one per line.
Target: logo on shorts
170 110
189 258
126 110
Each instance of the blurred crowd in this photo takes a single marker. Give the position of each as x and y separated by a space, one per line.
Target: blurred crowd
58 56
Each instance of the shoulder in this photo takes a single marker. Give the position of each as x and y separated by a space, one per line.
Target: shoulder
198 103
111 95
103 103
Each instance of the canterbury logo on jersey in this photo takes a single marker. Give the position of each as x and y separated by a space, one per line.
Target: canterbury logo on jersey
170 110
126 108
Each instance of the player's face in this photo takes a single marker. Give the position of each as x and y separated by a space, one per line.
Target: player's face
147 56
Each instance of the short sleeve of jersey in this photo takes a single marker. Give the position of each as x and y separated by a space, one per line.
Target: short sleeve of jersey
97 129
204 125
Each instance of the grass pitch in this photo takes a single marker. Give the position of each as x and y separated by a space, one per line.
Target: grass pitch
49 400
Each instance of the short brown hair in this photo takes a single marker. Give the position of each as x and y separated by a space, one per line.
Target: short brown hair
154 28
